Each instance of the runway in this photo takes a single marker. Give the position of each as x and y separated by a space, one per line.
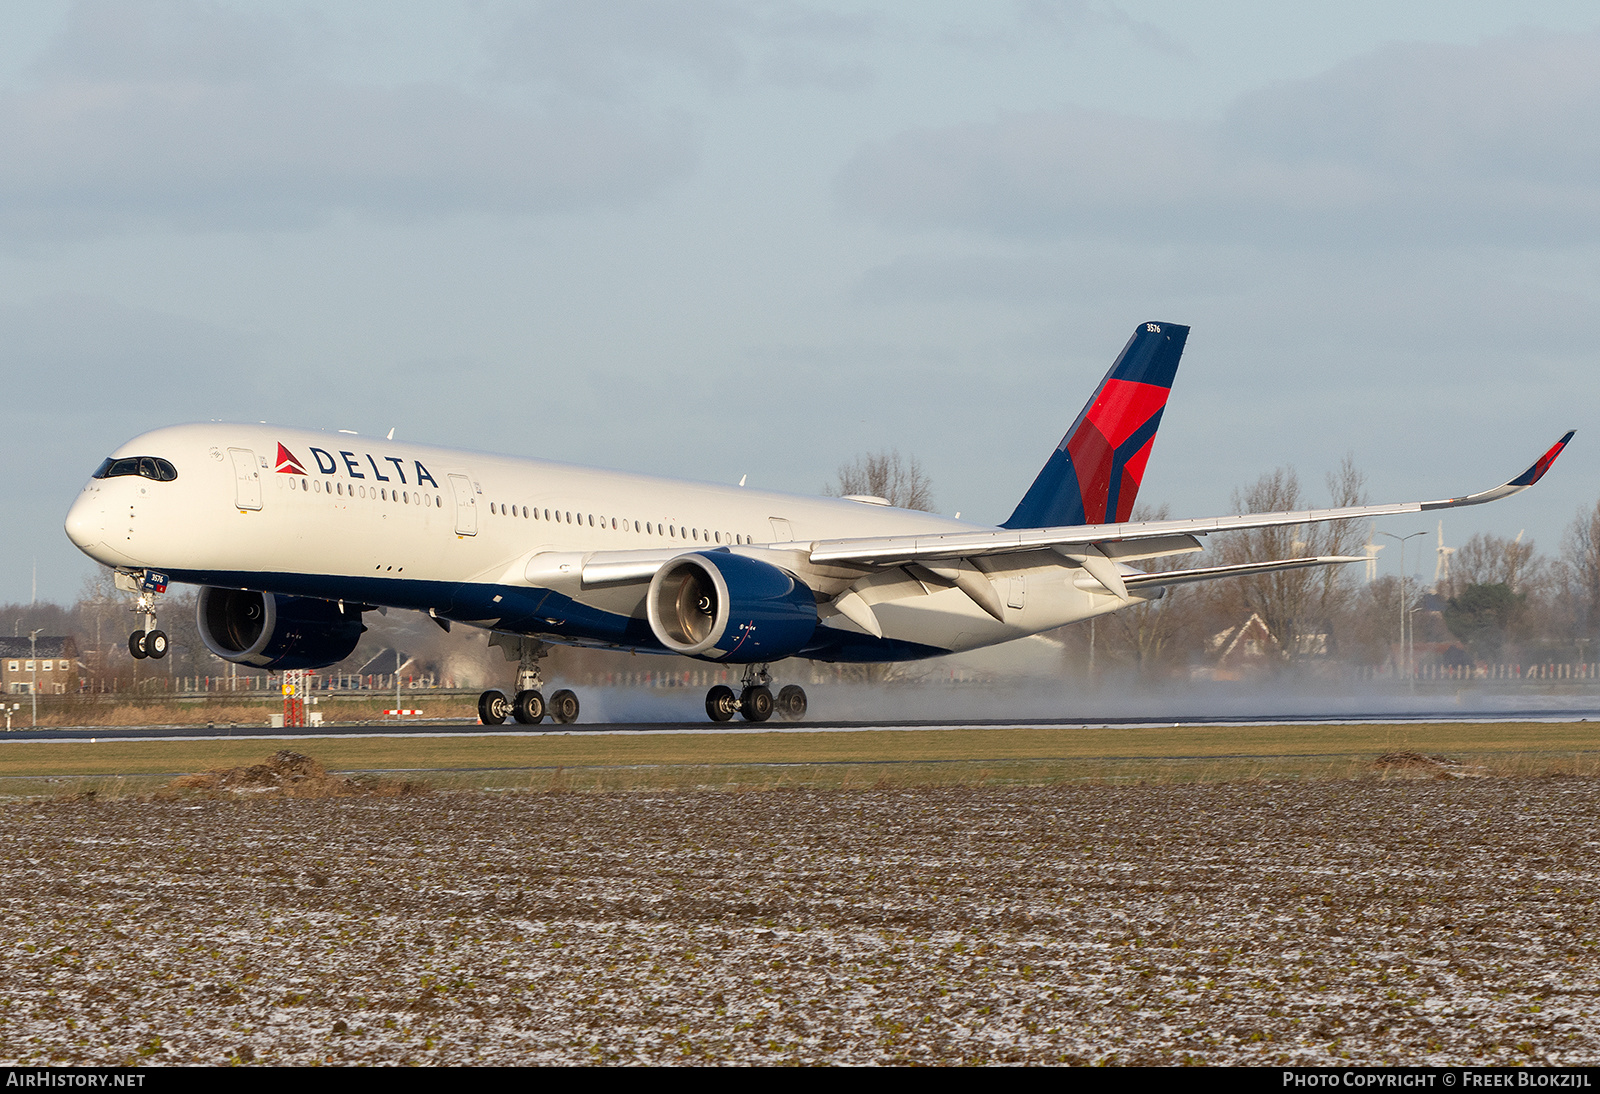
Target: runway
424 728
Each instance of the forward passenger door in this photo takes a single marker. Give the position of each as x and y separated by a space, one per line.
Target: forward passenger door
246 479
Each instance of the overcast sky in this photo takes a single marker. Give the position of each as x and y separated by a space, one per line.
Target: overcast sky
717 239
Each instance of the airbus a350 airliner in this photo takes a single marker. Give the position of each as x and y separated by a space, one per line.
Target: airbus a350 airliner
292 535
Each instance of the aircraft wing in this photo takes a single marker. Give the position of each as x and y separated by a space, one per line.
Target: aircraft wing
896 550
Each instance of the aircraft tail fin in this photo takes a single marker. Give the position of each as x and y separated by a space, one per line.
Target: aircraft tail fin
1094 474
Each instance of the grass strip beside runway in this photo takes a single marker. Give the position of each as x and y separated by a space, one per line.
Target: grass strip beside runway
909 758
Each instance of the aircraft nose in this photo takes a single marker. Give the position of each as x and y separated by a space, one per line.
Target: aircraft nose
86 522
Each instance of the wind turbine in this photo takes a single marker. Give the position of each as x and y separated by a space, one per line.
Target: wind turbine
1441 568
1372 550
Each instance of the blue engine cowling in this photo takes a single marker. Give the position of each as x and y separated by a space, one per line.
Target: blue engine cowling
276 632
720 606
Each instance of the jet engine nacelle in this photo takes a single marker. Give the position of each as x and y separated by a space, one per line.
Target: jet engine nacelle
276 632
720 606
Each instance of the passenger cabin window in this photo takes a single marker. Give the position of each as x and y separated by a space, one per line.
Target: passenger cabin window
149 467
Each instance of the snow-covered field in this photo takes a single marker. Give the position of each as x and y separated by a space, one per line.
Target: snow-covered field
1429 921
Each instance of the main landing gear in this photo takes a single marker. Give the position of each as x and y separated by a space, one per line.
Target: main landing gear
755 702
148 642
527 706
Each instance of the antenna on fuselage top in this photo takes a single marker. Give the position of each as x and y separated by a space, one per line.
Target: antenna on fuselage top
742 478
390 437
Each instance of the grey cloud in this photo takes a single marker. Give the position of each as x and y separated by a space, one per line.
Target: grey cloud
1086 273
71 354
172 39
608 48
1061 21
136 121
1493 143
1068 19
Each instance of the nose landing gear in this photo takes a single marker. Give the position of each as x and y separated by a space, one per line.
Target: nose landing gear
144 644
148 642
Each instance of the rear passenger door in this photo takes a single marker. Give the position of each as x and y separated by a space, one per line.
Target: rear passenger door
466 505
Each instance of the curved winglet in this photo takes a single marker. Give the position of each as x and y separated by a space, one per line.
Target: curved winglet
1542 464
1515 486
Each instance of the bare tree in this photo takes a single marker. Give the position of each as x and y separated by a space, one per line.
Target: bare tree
1292 604
1495 560
1148 633
1580 576
900 482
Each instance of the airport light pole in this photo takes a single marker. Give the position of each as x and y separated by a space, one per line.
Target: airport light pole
33 651
1403 615
1411 644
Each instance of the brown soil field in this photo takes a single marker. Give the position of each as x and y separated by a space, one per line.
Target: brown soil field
1376 920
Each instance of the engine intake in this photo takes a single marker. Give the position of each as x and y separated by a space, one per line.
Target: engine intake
276 632
719 606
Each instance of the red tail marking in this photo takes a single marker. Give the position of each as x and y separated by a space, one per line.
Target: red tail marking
1123 406
1132 477
1092 458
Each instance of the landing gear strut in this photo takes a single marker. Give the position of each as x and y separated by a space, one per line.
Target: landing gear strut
528 706
148 642
755 702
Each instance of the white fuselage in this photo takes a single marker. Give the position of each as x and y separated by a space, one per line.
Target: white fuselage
502 543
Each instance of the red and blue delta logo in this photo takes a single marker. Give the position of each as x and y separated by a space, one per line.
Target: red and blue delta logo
356 466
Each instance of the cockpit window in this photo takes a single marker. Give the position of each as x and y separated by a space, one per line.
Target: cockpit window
150 467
